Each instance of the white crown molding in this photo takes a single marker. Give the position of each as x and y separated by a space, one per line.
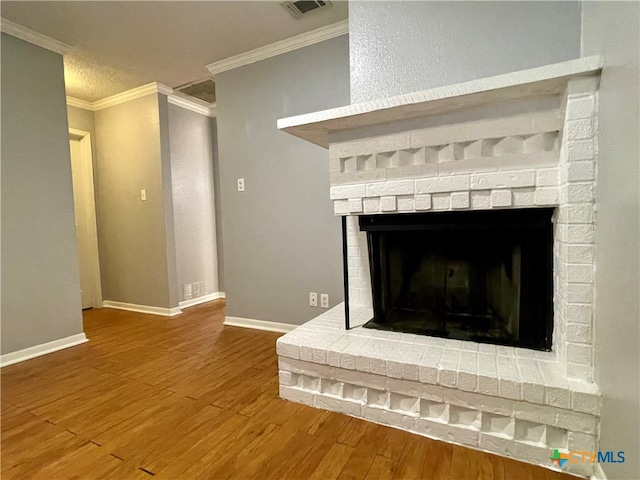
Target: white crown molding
119 98
132 307
42 349
191 103
204 299
258 324
76 102
175 98
132 94
278 48
28 35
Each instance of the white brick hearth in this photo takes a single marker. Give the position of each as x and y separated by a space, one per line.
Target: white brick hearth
521 140
506 400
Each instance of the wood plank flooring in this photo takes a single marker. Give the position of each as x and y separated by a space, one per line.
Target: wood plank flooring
188 398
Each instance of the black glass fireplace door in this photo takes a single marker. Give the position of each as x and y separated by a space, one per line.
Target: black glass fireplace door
480 276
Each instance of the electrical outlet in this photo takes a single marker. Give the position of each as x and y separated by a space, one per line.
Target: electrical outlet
324 300
241 184
195 290
143 195
187 291
313 299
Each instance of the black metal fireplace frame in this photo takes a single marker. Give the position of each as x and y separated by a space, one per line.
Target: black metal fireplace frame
345 272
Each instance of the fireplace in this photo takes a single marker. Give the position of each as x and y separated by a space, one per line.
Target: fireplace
468 215
483 276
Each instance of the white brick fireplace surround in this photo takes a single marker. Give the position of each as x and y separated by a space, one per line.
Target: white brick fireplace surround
522 140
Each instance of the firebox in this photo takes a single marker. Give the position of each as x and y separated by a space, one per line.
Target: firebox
484 276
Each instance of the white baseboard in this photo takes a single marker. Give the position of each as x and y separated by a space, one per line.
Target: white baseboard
258 324
42 349
132 307
199 300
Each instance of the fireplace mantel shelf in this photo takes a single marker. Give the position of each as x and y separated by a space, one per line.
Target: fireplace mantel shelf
547 80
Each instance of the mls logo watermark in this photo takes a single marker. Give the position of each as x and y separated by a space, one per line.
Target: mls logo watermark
560 459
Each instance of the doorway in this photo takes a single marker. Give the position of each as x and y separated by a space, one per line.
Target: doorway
85 216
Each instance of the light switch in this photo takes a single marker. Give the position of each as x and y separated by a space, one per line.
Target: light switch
143 194
241 184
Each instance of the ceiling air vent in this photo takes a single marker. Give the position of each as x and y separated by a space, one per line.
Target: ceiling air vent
297 9
203 90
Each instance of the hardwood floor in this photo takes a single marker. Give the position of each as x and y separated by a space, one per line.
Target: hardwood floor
187 398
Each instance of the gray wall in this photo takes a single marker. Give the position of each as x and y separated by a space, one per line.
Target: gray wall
281 240
192 179
137 256
218 202
612 29
40 281
167 197
401 47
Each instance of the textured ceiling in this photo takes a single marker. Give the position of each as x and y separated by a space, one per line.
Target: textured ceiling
118 46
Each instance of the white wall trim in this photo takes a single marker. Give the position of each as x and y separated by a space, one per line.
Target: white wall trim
28 35
76 102
132 94
132 307
258 324
75 134
42 349
204 299
283 46
191 103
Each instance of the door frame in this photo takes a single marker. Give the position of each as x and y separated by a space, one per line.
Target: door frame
87 164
